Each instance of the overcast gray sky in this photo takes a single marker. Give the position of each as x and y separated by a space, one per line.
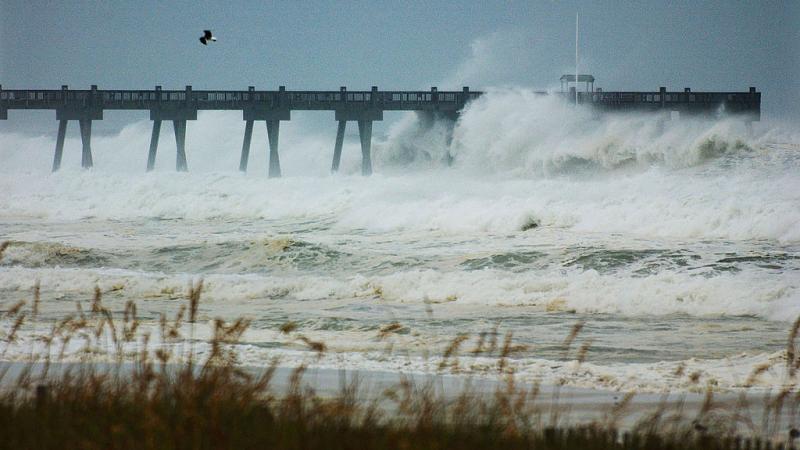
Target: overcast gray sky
724 45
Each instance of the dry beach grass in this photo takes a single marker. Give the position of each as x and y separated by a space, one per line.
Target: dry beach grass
164 397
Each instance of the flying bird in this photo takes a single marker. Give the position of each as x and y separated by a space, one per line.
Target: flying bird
206 37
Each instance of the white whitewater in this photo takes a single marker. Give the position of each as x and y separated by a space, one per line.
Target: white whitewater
676 241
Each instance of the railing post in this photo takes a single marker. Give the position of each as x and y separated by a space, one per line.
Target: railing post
93 95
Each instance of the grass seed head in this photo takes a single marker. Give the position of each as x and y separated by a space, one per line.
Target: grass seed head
574 332
391 328
452 351
15 309
3 246
130 321
319 347
756 373
583 351
11 336
194 299
288 327
792 361
36 298
479 344
97 300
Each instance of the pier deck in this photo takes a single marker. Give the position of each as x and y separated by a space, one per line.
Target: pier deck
362 107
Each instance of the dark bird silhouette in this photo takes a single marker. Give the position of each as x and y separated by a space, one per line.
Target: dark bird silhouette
207 37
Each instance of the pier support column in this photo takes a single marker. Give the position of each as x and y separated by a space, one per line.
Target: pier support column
180 141
337 149
62 133
178 114
151 155
273 127
86 140
365 133
248 133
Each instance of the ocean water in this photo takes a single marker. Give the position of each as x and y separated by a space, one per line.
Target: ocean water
675 242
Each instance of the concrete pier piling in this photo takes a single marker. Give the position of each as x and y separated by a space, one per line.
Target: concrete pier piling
85 125
151 155
89 108
363 108
270 107
337 149
176 106
86 140
273 128
180 142
365 133
248 134
62 133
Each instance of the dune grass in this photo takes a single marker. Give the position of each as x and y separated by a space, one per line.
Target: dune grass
157 397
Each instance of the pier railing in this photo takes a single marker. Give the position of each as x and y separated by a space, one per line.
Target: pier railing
709 103
362 107
232 100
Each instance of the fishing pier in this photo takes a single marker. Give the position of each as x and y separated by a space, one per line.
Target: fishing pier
362 107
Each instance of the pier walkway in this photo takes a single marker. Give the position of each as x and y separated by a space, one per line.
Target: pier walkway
362 107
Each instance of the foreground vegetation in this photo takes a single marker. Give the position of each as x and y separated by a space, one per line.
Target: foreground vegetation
158 397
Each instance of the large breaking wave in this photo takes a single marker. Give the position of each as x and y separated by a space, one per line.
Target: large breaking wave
514 158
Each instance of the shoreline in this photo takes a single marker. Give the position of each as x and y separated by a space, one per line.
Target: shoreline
565 404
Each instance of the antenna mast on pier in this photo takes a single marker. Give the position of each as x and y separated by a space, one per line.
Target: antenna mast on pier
576 58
